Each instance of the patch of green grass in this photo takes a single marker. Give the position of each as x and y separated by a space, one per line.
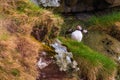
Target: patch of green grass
29 8
15 72
105 20
24 5
80 50
4 36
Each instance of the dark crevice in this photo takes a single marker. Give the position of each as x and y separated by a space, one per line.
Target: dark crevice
115 32
39 33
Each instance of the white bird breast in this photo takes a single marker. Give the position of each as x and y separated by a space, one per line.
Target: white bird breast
77 35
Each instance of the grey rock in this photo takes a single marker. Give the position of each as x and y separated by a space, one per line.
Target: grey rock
64 59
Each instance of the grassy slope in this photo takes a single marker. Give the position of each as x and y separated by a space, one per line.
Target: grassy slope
102 22
105 20
94 59
18 50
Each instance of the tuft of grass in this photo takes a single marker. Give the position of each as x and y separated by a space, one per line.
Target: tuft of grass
85 54
104 20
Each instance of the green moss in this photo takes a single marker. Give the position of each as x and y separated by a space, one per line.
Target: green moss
80 50
15 72
4 36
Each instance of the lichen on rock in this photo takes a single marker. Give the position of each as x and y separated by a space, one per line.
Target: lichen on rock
48 3
64 59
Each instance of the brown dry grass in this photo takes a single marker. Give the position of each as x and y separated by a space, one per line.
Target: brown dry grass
50 23
88 71
18 56
18 50
23 16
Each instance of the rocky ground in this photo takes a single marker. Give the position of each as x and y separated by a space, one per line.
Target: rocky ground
26 32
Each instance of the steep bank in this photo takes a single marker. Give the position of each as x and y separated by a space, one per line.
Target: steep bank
93 65
18 49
